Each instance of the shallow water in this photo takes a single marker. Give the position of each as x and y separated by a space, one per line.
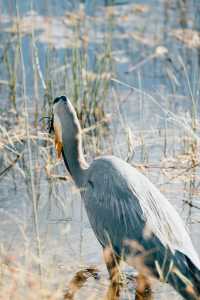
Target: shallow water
153 117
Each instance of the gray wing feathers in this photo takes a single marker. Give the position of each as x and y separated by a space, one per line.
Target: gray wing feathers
109 206
162 218
120 199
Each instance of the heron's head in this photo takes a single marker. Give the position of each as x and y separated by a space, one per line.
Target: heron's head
65 122
60 104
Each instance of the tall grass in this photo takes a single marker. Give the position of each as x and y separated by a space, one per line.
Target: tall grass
108 106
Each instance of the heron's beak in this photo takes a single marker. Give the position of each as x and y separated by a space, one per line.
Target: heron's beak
50 125
58 137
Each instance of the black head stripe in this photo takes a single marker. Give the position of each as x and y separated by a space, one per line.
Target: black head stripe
56 100
63 98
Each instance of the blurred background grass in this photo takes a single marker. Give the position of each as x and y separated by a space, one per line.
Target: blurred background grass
131 68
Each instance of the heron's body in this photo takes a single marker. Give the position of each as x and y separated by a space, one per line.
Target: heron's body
128 213
130 207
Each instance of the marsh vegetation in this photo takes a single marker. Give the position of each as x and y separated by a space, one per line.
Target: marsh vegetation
132 70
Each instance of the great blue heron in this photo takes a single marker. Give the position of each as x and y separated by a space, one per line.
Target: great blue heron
127 213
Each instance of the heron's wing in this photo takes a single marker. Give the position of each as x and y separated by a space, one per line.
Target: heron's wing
123 204
112 209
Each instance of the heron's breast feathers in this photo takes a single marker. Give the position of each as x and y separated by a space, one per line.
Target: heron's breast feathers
58 135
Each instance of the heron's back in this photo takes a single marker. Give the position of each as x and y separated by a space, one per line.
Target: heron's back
122 202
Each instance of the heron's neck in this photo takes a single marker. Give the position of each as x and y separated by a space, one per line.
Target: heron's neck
74 158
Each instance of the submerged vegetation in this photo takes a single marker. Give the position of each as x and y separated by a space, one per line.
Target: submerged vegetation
133 73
